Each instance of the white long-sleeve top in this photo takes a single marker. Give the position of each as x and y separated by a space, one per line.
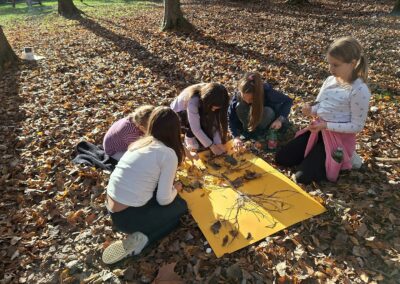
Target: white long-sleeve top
180 103
140 172
343 107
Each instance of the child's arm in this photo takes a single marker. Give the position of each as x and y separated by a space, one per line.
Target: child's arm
280 102
194 122
166 192
321 95
359 105
233 119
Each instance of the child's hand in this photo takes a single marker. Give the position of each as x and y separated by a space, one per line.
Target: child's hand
317 126
306 109
277 124
237 144
178 186
217 150
190 155
222 147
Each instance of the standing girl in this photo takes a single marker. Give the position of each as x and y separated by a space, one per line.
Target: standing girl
141 194
339 113
255 108
202 109
126 131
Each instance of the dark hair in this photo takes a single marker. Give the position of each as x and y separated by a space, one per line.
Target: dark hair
164 125
251 83
347 49
213 95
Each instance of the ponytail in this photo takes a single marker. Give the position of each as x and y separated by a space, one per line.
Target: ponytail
361 69
252 83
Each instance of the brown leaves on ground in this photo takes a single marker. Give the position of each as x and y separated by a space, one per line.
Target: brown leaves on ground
53 221
167 275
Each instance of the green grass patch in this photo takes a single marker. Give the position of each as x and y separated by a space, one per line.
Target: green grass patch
48 10
385 95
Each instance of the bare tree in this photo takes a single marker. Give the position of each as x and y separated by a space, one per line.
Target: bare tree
396 8
67 8
7 55
173 17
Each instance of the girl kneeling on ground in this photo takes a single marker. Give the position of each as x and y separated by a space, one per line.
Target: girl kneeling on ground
202 109
141 194
255 108
126 131
327 145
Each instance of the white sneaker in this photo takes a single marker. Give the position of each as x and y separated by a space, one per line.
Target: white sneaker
356 161
191 143
132 245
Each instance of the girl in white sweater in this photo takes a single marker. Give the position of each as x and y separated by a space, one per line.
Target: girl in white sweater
141 194
338 114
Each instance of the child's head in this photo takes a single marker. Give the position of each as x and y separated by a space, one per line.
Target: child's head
140 116
213 109
214 97
252 92
164 125
346 60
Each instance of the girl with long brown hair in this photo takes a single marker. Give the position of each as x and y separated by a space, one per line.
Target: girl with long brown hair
255 108
141 194
202 109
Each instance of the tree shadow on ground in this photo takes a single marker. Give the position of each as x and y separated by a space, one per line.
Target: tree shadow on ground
329 13
10 165
169 71
265 60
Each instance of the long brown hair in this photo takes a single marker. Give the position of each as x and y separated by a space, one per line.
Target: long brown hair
251 83
164 126
213 95
347 49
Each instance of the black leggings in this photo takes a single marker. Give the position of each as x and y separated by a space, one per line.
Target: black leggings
310 168
151 219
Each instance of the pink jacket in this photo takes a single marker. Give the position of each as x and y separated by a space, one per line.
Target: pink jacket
333 140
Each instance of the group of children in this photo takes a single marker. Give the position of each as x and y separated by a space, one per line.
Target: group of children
142 195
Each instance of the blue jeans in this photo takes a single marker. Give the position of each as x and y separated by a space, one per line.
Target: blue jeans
243 111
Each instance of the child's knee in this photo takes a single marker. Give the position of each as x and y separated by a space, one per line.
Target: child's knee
268 117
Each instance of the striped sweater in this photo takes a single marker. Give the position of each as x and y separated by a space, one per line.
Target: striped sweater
122 133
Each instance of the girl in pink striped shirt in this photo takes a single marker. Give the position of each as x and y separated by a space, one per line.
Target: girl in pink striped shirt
125 131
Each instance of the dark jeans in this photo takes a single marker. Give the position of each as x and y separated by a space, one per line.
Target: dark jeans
310 168
151 219
260 133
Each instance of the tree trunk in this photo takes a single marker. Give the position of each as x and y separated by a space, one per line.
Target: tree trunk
7 55
396 9
173 17
297 2
67 9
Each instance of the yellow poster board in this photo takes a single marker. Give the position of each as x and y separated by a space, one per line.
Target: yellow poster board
239 199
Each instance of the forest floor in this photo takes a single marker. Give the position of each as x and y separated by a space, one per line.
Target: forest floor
96 69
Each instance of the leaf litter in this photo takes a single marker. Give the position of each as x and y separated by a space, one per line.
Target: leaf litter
54 225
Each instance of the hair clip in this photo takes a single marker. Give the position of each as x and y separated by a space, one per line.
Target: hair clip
251 77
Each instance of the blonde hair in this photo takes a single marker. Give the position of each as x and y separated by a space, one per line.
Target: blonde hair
347 49
251 83
163 125
141 115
